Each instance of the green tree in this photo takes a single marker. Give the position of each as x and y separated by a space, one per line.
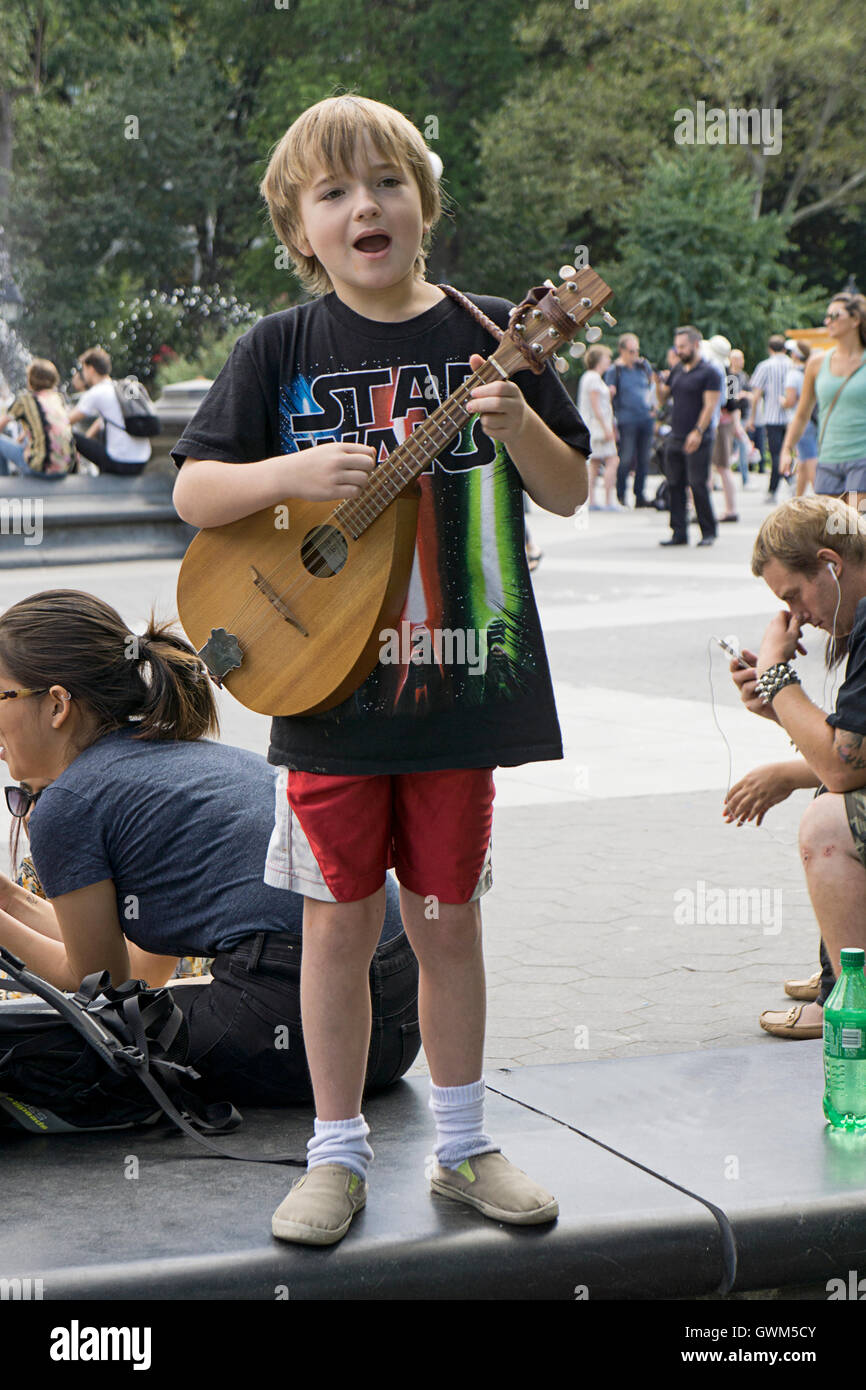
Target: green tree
567 149
694 254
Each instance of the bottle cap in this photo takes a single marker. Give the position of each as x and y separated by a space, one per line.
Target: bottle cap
852 956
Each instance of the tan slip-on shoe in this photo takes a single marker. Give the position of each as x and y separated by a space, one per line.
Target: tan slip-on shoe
320 1205
806 990
787 1025
498 1189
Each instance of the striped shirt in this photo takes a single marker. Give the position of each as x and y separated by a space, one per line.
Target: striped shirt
769 377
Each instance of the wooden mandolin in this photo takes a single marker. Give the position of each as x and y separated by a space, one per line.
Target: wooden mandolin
286 605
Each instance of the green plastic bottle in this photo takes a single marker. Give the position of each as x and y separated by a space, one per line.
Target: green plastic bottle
845 1045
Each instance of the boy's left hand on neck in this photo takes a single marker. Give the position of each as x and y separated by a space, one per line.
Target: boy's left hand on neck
501 407
554 474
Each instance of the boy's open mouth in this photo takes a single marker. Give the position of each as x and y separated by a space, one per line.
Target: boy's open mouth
372 242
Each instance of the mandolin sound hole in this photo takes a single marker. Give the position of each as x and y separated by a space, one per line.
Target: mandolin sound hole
324 552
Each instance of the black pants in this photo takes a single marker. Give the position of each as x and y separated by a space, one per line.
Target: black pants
690 470
828 976
96 452
245 1027
775 440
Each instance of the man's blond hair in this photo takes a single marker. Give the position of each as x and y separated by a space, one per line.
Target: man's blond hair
325 137
796 531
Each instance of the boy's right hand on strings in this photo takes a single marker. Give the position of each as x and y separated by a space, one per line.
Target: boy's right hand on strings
328 472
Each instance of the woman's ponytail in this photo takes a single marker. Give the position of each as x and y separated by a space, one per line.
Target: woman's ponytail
180 702
155 684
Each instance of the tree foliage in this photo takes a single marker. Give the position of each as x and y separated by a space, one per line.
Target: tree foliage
694 255
133 137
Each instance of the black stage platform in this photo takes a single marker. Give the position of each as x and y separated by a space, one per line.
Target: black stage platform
678 1176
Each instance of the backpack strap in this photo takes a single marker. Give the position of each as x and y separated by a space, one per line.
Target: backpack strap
135 1058
120 408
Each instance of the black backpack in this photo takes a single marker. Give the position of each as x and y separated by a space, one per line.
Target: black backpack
139 416
104 1058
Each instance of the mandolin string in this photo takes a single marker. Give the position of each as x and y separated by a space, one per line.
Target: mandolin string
363 511
361 503
377 486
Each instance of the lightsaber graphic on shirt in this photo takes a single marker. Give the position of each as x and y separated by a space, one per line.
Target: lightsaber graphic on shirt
286 606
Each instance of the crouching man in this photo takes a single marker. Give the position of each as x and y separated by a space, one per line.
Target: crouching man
812 554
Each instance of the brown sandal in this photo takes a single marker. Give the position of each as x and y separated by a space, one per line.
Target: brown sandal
787 1025
804 989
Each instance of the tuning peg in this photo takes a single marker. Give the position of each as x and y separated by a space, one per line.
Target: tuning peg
560 364
593 334
567 272
608 318
550 285
577 349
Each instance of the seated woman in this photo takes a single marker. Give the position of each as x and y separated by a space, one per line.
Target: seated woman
150 842
48 449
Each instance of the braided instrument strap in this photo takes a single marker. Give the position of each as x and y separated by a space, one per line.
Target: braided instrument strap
480 317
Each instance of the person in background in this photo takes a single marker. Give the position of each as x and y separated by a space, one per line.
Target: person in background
694 385
632 388
739 404
118 451
811 553
151 842
594 405
47 449
768 388
718 351
838 380
807 448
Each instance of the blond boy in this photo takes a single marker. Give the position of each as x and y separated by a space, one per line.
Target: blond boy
400 773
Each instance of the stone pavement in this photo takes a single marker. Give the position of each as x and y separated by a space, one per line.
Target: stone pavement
627 917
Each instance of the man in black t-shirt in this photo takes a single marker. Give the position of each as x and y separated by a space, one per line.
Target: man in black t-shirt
693 384
822 581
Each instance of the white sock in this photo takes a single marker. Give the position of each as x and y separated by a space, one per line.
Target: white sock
459 1115
341 1141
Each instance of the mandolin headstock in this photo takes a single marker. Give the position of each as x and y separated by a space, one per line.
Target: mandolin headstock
552 315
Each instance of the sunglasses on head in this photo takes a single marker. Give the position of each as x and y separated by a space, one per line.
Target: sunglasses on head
19 801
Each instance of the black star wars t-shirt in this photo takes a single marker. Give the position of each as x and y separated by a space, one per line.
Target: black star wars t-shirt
463 680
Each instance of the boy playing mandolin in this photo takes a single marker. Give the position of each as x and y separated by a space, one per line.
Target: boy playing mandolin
400 773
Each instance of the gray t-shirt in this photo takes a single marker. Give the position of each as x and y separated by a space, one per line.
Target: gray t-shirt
182 829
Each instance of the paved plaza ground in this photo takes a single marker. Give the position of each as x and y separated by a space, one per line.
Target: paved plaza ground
606 934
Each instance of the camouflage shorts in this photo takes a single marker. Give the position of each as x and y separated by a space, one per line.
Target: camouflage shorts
855 806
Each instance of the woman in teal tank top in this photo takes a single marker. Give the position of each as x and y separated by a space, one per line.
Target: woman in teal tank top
841 426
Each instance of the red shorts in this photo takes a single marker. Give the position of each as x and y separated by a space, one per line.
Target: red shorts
433 828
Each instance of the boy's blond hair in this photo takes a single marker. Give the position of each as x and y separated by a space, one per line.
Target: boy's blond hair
325 137
796 531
